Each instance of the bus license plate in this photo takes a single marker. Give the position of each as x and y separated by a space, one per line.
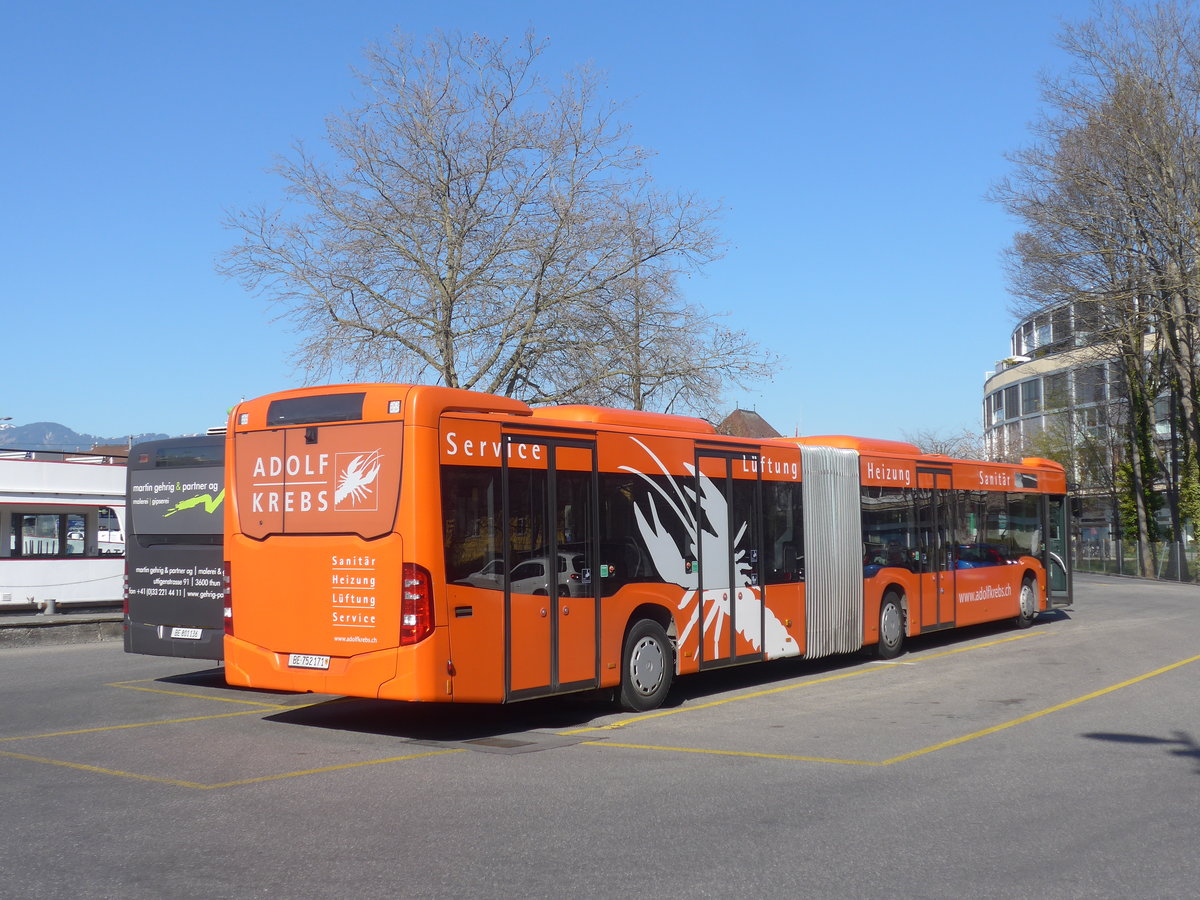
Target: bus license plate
188 634
306 661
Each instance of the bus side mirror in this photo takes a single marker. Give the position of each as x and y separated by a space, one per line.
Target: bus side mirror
1076 507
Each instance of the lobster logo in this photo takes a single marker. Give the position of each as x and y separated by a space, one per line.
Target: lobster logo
711 536
355 481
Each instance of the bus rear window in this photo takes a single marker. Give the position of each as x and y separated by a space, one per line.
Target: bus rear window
212 455
321 408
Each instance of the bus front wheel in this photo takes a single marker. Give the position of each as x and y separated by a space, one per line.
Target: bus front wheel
891 627
647 668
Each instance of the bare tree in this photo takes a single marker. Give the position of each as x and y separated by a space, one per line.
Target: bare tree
472 225
646 347
962 444
1109 196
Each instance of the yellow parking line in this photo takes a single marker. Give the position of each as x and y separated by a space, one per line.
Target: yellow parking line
137 686
646 717
1042 712
341 768
786 757
970 647
99 770
195 785
100 728
924 751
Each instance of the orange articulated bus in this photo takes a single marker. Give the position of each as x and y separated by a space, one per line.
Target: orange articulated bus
432 544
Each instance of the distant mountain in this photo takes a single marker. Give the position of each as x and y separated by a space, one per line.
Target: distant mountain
52 436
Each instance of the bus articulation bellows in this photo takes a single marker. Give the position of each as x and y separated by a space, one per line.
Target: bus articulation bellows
431 544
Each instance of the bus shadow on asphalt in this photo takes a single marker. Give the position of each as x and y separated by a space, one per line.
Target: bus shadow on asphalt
529 725
490 727
214 677
513 727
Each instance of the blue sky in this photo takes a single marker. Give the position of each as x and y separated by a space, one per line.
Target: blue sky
851 145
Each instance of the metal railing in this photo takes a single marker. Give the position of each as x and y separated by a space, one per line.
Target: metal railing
1172 561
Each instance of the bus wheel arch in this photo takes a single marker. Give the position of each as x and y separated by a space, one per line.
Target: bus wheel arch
893 616
655 612
647 660
1027 609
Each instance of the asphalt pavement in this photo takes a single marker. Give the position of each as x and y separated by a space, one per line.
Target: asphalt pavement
1057 762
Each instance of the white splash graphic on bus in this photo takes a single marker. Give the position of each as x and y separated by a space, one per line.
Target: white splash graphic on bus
355 480
714 541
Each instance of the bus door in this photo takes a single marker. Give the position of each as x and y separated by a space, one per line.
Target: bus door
551 610
726 513
1056 550
935 546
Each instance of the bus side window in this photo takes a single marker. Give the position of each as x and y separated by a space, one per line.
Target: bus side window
471 528
624 556
889 527
783 527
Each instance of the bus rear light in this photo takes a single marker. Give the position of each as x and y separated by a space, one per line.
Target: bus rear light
228 599
416 604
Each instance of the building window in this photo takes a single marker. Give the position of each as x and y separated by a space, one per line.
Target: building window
1055 393
1012 437
1093 418
1087 317
1012 402
1090 385
1031 397
1061 318
1162 416
996 404
1042 333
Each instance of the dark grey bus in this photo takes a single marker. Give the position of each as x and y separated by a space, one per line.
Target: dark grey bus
174 570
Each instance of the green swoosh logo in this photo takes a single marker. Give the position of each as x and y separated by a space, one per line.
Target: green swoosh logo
209 502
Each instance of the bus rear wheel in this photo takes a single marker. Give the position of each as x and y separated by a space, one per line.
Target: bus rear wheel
647 667
1029 610
891 627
